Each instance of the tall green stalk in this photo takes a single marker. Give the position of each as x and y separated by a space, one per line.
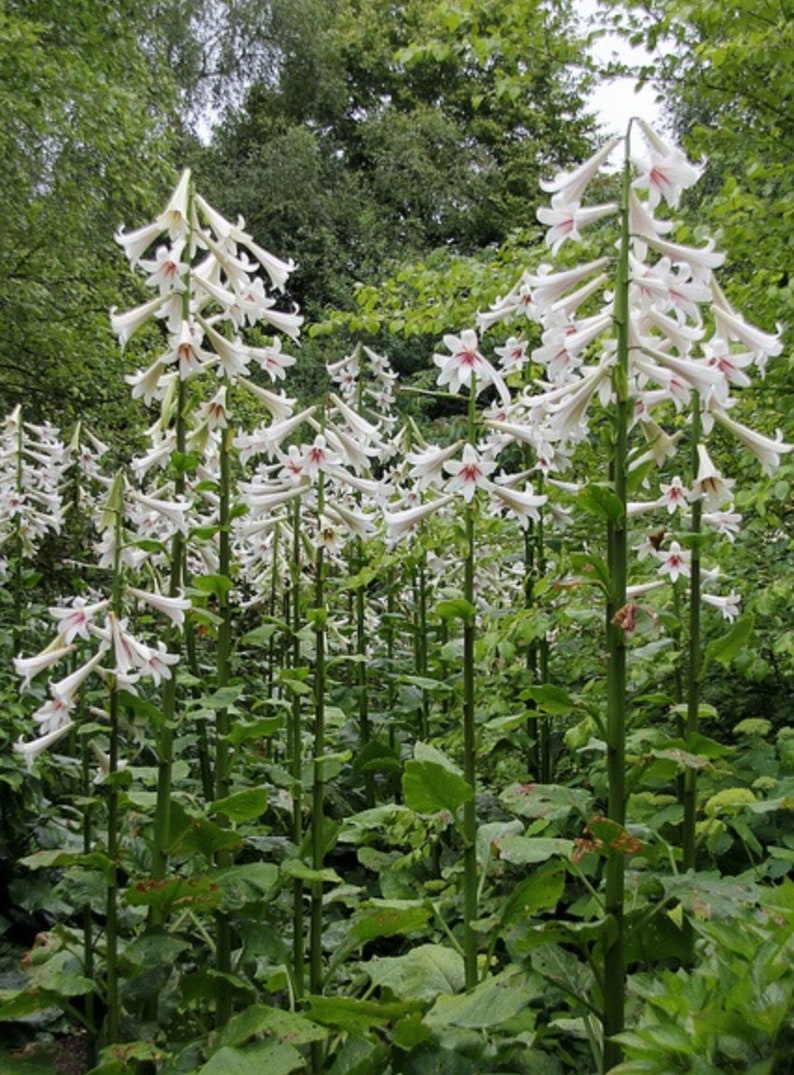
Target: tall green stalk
295 751
318 779
469 735
223 939
363 675
691 727
617 559
87 912
115 505
165 743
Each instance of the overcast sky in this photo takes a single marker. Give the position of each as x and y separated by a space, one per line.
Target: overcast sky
617 101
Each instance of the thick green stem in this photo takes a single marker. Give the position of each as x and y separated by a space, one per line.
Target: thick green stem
617 558
693 685
469 738
318 781
421 644
165 746
363 676
87 914
113 1017
691 727
223 937
295 751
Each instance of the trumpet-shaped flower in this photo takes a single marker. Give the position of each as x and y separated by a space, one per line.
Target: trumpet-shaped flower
709 485
74 620
29 667
31 749
399 523
466 365
571 185
728 605
564 219
172 607
675 562
468 473
765 449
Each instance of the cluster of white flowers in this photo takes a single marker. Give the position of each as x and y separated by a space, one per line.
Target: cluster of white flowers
117 654
671 355
33 461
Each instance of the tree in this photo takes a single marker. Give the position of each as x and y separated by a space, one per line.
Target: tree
83 146
417 126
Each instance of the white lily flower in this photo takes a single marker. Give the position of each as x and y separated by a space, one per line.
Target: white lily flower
709 485
127 324
34 747
765 449
571 185
727 605
172 607
29 667
399 523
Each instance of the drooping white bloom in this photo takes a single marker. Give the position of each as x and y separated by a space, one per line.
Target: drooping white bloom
523 503
675 561
427 465
74 620
765 449
399 523
31 749
466 365
172 607
674 495
468 473
709 485
728 605
572 185
127 324
564 219
29 667
66 687
667 174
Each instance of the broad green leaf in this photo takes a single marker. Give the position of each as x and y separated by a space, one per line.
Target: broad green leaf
299 870
263 1058
541 891
218 585
423 973
490 1003
429 788
600 500
353 1015
551 802
731 644
272 1023
197 893
528 850
432 783
455 608
261 728
388 918
241 805
248 882
549 699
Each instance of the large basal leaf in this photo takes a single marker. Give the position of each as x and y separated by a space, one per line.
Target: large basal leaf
353 1015
432 784
196 893
240 805
264 1058
728 647
388 919
278 1023
551 802
424 973
490 1003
